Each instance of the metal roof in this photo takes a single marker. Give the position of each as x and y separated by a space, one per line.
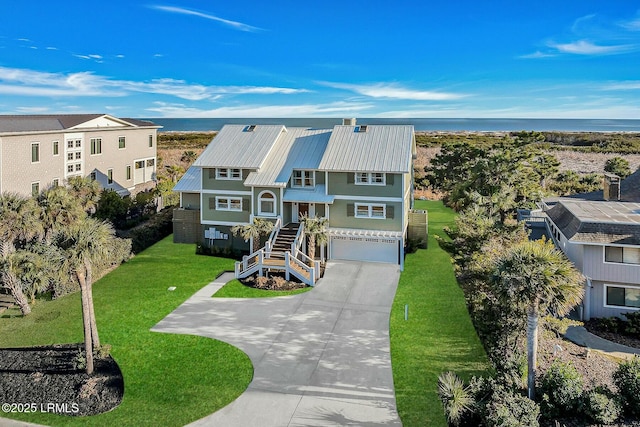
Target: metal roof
298 148
57 122
381 148
597 222
317 195
237 147
190 181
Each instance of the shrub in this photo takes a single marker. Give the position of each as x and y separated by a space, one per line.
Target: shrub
601 406
155 229
632 325
627 379
618 166
456 398
509 408
561 390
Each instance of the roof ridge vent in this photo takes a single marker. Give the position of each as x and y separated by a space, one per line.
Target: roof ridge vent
250 128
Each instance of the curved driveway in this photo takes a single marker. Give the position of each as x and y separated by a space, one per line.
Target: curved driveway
320 358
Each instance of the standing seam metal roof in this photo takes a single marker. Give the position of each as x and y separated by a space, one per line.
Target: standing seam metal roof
382 148
234 147
299 148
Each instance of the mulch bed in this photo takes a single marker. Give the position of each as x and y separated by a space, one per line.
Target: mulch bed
48 380
275 282
595 328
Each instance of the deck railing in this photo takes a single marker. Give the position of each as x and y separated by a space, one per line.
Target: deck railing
274 232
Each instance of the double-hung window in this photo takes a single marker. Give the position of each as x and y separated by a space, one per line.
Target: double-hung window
370 178
96 145
122 142
370 210
229 203
303 179
230 174
56 148
35 152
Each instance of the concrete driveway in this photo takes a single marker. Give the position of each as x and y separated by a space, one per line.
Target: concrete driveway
320 358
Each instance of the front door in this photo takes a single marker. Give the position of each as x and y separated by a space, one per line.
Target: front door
303 210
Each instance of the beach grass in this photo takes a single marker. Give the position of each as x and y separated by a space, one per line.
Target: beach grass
438 335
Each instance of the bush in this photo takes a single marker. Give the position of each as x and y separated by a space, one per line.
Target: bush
561 390
627 379
155 229
618 166
601 406
632 325
509 408
456 399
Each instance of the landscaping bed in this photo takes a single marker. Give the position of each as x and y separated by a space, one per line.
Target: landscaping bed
275 282
596 327
48 379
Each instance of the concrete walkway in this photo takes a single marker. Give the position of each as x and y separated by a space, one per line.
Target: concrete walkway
580 336
320 358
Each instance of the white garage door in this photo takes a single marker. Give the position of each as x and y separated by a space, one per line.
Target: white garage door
363 249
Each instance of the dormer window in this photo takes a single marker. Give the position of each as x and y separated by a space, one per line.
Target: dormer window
230 174
303 179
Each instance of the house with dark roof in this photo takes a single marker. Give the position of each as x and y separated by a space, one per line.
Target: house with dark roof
37 151
359 177
602 239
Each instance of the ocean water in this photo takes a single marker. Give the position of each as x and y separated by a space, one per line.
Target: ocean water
451 125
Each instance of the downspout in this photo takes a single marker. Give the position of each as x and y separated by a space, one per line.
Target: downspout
586 302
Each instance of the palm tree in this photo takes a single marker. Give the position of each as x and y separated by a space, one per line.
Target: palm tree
315 228
174 171
86 190
253 231
19 224
536 277
87 243
58 208
188 157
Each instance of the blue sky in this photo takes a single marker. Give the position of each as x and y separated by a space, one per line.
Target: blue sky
203 58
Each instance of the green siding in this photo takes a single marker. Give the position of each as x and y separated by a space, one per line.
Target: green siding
225 216
256 194
338 217
191 200
286 215
223 184
233 242
338 185
320 210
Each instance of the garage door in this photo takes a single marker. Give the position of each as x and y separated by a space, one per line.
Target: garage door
363 249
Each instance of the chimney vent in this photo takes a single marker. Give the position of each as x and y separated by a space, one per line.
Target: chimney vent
611 187
349 122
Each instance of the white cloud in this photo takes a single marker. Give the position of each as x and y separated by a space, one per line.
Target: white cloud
394 91
183 11
628 85
14 81
536 55
253 111
584 47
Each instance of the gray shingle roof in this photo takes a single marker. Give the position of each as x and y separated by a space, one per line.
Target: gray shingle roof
235 147
298 148
597 222
382 148
50 122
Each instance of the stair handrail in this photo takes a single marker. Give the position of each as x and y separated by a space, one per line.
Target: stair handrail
274 232
297 242
242 266
311 262
289 259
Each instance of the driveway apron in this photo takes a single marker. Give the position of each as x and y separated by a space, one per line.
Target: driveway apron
320 358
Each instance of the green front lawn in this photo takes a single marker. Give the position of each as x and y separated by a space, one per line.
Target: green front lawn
170 380
438 335
235 289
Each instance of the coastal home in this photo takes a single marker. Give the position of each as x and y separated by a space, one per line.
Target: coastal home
359 177
602 239
37 151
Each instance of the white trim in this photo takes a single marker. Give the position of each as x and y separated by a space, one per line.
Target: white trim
230 192
368 198
281 202
357 232
370 207
369 177
272 214
227 223
304 177
228 177
229 203
39 154
604 255
623 307
125 142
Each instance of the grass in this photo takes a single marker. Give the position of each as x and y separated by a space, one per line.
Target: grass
235 289
438 335
170 380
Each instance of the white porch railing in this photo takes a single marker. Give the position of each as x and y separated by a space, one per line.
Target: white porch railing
297 242
249 264
276 228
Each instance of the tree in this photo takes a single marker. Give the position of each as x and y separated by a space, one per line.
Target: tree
188 157
112 207
315 228
253 231
535 277
174 172
19 224
618 166
58 208
86 190
87 243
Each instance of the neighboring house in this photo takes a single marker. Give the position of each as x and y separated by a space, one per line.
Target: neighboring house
602 239
358 177
37 151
